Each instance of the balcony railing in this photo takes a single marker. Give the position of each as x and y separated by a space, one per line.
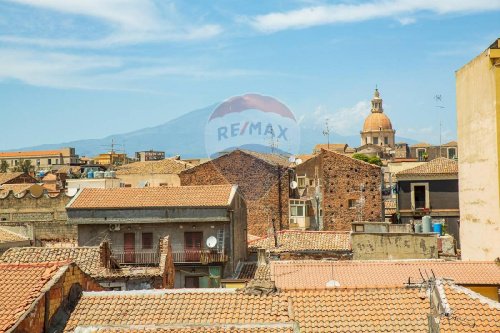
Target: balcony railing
126 256
204 256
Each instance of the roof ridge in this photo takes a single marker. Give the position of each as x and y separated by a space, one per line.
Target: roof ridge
36 264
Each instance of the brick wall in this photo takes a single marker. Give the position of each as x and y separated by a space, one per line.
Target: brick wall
341 179
257 181
58 301
46 214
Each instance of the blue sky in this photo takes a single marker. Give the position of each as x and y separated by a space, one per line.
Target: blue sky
85 69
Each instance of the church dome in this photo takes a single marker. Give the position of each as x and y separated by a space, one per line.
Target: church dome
376 122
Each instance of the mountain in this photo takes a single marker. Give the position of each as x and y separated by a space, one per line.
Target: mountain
184 136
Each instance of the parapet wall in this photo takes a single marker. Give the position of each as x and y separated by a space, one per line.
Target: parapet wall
46 214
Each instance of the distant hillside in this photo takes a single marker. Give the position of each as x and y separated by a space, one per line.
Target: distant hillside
184 136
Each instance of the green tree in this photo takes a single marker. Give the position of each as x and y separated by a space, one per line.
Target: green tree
4 166
372 160
24 166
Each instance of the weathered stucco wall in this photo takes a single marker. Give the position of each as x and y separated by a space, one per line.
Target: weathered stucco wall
45 214
378 246
153 179
478 112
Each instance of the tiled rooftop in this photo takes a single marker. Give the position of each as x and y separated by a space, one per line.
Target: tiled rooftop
295 240
20 286
167 307
7 236
166 166
297 274
421 145
395 309
8 176
247 270
126 197
19 154
87 258
214 328
438 166
14 188
338 147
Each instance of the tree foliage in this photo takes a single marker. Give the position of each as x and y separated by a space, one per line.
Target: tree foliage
4 166
372 160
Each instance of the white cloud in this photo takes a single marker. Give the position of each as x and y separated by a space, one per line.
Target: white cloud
342 13
130 21
407 20
68 71
345 121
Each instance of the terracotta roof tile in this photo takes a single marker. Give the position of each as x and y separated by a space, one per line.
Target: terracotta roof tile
295 240
166 166
21 285
338 147
421 145
450 144
180 196
164 307
8 176
21 154
438 166
87 258
209 328
7 236
273 159
394 309
14 188
297 274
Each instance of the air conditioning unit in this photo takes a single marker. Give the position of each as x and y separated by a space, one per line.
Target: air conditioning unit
114 227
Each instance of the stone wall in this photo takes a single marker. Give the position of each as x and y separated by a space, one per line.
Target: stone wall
46 215
263 186
380 246
342 178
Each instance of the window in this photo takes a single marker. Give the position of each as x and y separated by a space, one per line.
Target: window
420 196
49 161
297 208
452 153
421 154
375 141
386 140
147 240
353 203
301 181
37 162
191 282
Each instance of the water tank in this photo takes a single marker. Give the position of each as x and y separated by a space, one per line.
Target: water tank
90 174
418 228
99 174
437 228
426 224
113 174
107 174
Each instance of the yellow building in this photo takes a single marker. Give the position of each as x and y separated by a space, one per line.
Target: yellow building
478 113
110 158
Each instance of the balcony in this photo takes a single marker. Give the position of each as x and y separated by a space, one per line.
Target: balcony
203 256
132 256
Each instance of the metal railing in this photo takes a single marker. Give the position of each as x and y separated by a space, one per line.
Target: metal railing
204 256
126 256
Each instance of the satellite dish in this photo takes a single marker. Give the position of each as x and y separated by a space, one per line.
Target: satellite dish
291 159
293 185
332 284
211 242
298 161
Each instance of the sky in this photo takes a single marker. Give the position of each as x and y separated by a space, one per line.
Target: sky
73 70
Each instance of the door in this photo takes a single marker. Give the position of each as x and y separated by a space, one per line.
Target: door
191 282
129 247
192 246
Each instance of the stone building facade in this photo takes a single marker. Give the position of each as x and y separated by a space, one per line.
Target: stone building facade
263 180
339 190
377 129
40 217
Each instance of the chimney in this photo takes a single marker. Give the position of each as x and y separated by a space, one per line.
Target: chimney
261 257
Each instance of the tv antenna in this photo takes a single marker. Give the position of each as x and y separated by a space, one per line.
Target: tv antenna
438 99
326 132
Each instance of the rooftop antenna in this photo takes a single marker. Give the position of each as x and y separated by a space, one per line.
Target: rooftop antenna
438 99
326 132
